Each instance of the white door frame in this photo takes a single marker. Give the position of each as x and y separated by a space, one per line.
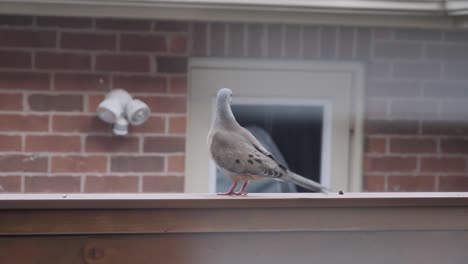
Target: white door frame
199 166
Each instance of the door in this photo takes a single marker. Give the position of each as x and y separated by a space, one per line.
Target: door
336 87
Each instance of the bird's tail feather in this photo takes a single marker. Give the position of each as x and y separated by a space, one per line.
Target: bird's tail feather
305 183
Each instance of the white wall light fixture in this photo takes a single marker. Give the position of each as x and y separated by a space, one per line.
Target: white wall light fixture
120 109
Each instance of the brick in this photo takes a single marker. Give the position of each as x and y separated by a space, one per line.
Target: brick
383 33
166 104
25 38
392 127
93 101
162 144
376 109
454 145
217 39
417 34
13 122
376 145
52 102
446 89
10 143
310 42
176 163
274 40
11 102
178 84
394 49
390 164
413 109
15 59
416 70
456 71
15 20
111 184
393 88
45 184
154 124
122 63
328 42
235 45
177 124
10 184
74 163
378 70
145 43
172 64
456 36
123 24
141 84
137 164
65 22
345 43
401 183
363 43
53 143
255 40
24 80
163 184
23 163
444 164
82 124
170 26
374 183
62 61
412 145
178 44
81 82
453 183
445 127
446 52
292 46
88 41
455 110
111 144
199 39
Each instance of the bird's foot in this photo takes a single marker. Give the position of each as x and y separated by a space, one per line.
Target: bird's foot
241 193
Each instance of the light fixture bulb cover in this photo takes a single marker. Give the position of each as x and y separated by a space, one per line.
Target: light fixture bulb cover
109 111
137 112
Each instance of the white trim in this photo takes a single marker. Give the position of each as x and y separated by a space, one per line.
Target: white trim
350 180
422 13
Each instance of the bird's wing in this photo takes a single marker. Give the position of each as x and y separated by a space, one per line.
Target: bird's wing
232 152
252 140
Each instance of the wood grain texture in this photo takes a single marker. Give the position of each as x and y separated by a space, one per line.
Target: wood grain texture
233 248
146 221
253 200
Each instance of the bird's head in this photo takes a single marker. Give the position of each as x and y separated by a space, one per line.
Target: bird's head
224 96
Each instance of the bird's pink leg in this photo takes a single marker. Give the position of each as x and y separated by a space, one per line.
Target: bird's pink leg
242 190
231 190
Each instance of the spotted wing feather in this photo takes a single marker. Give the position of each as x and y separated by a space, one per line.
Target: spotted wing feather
240 157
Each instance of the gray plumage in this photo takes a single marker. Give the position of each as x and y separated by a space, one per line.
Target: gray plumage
240 155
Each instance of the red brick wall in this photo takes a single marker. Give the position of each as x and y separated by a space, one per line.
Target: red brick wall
54 71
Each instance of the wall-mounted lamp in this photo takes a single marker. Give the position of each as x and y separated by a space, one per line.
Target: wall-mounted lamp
120 109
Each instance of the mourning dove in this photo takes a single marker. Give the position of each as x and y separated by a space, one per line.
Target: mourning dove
241 156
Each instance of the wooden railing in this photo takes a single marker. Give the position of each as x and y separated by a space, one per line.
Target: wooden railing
260 228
